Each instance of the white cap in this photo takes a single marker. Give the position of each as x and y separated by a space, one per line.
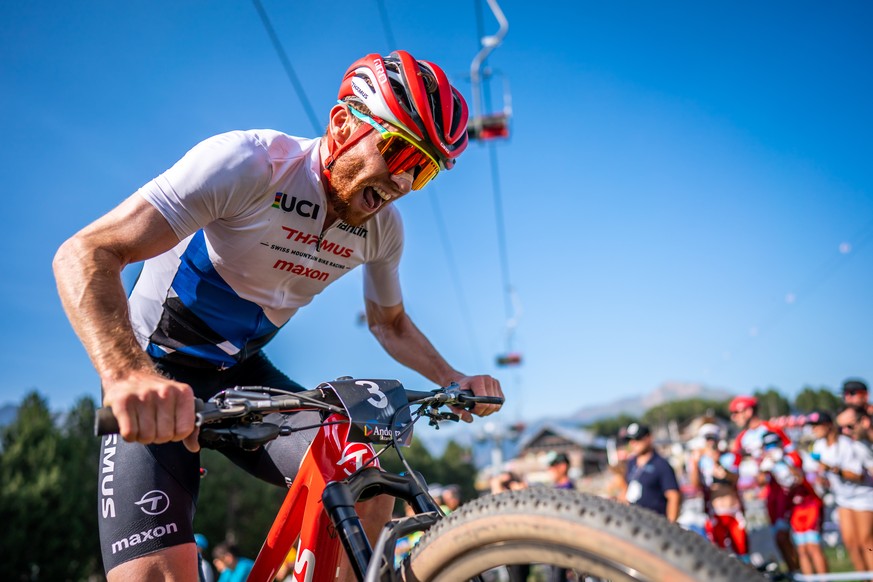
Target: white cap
708 429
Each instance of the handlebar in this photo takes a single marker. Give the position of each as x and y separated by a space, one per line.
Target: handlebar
243 400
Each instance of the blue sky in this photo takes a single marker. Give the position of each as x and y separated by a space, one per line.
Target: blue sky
678 184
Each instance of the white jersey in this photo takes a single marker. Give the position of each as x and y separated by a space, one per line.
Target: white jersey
851 456
249 208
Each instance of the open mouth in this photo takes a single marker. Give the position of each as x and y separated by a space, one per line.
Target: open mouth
373 199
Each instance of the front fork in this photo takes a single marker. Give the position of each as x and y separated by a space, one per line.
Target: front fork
340 498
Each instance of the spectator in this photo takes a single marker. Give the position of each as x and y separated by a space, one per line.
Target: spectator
855 393
715 475
749 443
559 469
651 481
207 574
285 573
230 565
406 543
805 518
854 422
451 498
507 481
842 461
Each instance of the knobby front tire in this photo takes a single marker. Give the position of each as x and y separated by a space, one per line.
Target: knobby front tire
571 530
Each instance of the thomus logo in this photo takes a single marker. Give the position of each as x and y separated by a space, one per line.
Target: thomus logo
354 457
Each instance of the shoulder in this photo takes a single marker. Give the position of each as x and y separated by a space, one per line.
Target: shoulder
661 462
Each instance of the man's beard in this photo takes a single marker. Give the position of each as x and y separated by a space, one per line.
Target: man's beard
343 186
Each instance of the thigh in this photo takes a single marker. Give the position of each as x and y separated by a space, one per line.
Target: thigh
278 461
848 527
864 523
147 495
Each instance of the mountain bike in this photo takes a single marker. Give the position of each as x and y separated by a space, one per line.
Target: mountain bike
590 537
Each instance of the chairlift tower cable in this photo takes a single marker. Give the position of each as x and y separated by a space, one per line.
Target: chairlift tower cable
286 63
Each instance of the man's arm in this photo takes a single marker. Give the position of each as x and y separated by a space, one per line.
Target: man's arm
674 501
670 486
87 267
405 343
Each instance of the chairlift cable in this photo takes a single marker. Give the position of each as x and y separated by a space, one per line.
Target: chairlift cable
456 278
386 23
286 63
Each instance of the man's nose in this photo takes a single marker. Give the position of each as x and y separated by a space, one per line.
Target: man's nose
403 181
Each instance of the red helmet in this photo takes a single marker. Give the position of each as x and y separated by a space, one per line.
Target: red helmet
742 403
416 96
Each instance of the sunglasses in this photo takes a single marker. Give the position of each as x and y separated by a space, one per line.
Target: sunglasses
401 154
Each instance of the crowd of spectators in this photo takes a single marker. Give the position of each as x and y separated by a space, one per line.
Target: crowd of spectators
753 474
800 480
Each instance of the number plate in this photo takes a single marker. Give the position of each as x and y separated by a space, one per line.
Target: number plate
371 406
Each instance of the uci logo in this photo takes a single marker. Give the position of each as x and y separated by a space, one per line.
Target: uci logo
304 208
154 502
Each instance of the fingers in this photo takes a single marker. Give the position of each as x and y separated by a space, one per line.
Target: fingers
191 443
481 386
150 408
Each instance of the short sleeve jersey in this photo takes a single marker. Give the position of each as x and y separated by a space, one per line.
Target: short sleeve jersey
851 456
249 209
648 483
750 443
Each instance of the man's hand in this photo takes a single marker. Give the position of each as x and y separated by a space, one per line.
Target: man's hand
152 409
482 385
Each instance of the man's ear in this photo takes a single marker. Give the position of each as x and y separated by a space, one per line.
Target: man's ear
340 125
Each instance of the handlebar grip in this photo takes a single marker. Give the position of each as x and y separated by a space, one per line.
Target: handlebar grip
470 402
105 422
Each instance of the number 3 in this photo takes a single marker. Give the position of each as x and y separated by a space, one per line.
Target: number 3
379 400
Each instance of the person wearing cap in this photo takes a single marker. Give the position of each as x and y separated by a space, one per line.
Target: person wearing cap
749 443
207 574
231 566
714 473
841 464
855 393
559 470
651 481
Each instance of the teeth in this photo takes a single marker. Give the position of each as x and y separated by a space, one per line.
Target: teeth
382 194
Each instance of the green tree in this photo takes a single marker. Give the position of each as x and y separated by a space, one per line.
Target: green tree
682 411
609 427
80 451
31 469
771 403
810 399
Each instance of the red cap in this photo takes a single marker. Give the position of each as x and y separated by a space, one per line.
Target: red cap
742 403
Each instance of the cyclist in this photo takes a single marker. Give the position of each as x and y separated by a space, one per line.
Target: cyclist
238 235
750 443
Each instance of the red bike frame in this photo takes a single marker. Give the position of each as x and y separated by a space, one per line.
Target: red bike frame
330 457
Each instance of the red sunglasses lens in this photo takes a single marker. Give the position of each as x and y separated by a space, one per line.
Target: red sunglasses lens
400 155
